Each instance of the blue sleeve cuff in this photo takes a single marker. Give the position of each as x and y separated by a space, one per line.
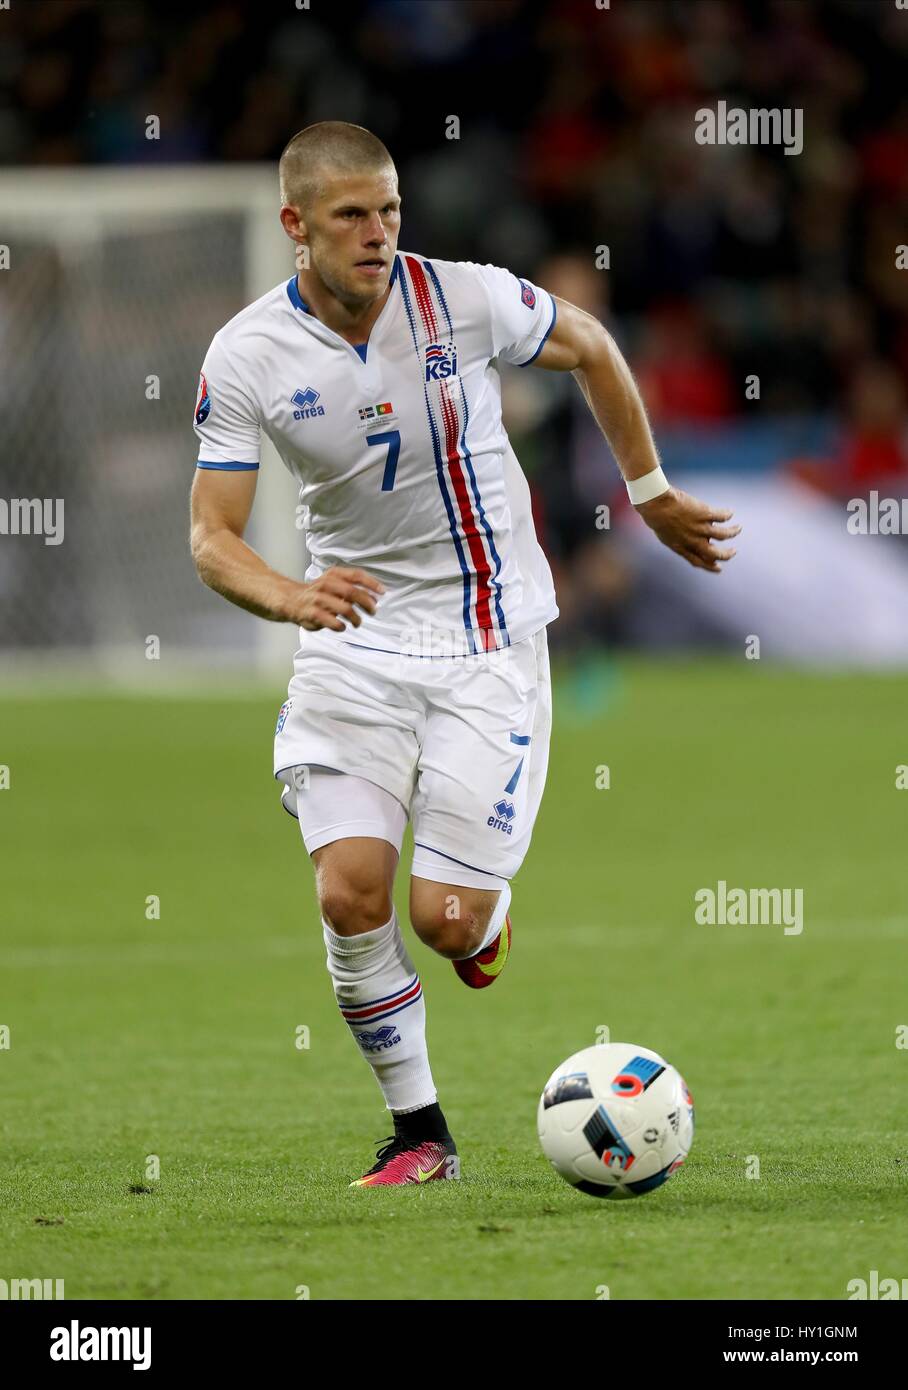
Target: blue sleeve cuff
545 337
233 467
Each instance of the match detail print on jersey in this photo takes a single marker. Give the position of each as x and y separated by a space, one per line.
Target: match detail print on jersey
448 415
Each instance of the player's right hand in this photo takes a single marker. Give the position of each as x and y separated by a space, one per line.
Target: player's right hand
336 594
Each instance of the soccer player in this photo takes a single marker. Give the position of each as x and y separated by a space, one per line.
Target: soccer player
421 685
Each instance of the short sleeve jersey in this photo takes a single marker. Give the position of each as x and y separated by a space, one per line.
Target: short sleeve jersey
404 465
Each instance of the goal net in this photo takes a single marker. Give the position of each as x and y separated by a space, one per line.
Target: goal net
115 284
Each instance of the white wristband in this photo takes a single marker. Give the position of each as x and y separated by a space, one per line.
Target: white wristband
651 485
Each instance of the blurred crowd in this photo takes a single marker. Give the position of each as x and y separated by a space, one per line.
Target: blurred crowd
724 261
574 162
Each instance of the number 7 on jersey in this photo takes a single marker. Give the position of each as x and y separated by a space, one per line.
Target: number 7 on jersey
392 439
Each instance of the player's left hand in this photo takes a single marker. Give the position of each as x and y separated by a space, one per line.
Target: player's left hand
689 527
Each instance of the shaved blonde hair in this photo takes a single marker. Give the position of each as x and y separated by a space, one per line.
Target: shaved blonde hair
323 149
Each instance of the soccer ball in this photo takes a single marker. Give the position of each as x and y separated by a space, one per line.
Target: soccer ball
616 1120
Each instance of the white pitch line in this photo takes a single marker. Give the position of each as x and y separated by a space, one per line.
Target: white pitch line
617 937
146 953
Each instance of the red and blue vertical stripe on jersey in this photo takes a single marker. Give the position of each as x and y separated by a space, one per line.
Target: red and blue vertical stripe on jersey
473 538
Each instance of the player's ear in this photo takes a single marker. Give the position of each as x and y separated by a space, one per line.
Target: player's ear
292 223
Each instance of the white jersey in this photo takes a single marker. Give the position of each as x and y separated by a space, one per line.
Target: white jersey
404 465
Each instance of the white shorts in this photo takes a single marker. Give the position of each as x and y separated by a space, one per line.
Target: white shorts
461 743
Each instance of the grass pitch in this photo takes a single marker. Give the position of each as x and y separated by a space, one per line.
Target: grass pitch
176 1038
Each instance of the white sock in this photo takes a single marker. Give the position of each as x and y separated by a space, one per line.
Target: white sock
379 994
496 921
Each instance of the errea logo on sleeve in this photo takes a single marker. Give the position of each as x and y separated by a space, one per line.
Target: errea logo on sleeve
305 402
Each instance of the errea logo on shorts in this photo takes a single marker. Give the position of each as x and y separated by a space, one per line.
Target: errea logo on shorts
503 817
305 402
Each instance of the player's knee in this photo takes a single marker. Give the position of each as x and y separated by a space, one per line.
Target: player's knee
450 927
353 908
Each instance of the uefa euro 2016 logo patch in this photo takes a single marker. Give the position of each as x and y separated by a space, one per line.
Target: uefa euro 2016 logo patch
202 401
441 361
528 295
282 715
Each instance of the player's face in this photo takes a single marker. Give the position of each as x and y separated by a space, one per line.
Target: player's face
352 234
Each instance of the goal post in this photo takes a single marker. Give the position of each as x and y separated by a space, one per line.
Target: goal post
116 281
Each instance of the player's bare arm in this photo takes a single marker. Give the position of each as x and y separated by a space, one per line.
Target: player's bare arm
580 344
221 504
